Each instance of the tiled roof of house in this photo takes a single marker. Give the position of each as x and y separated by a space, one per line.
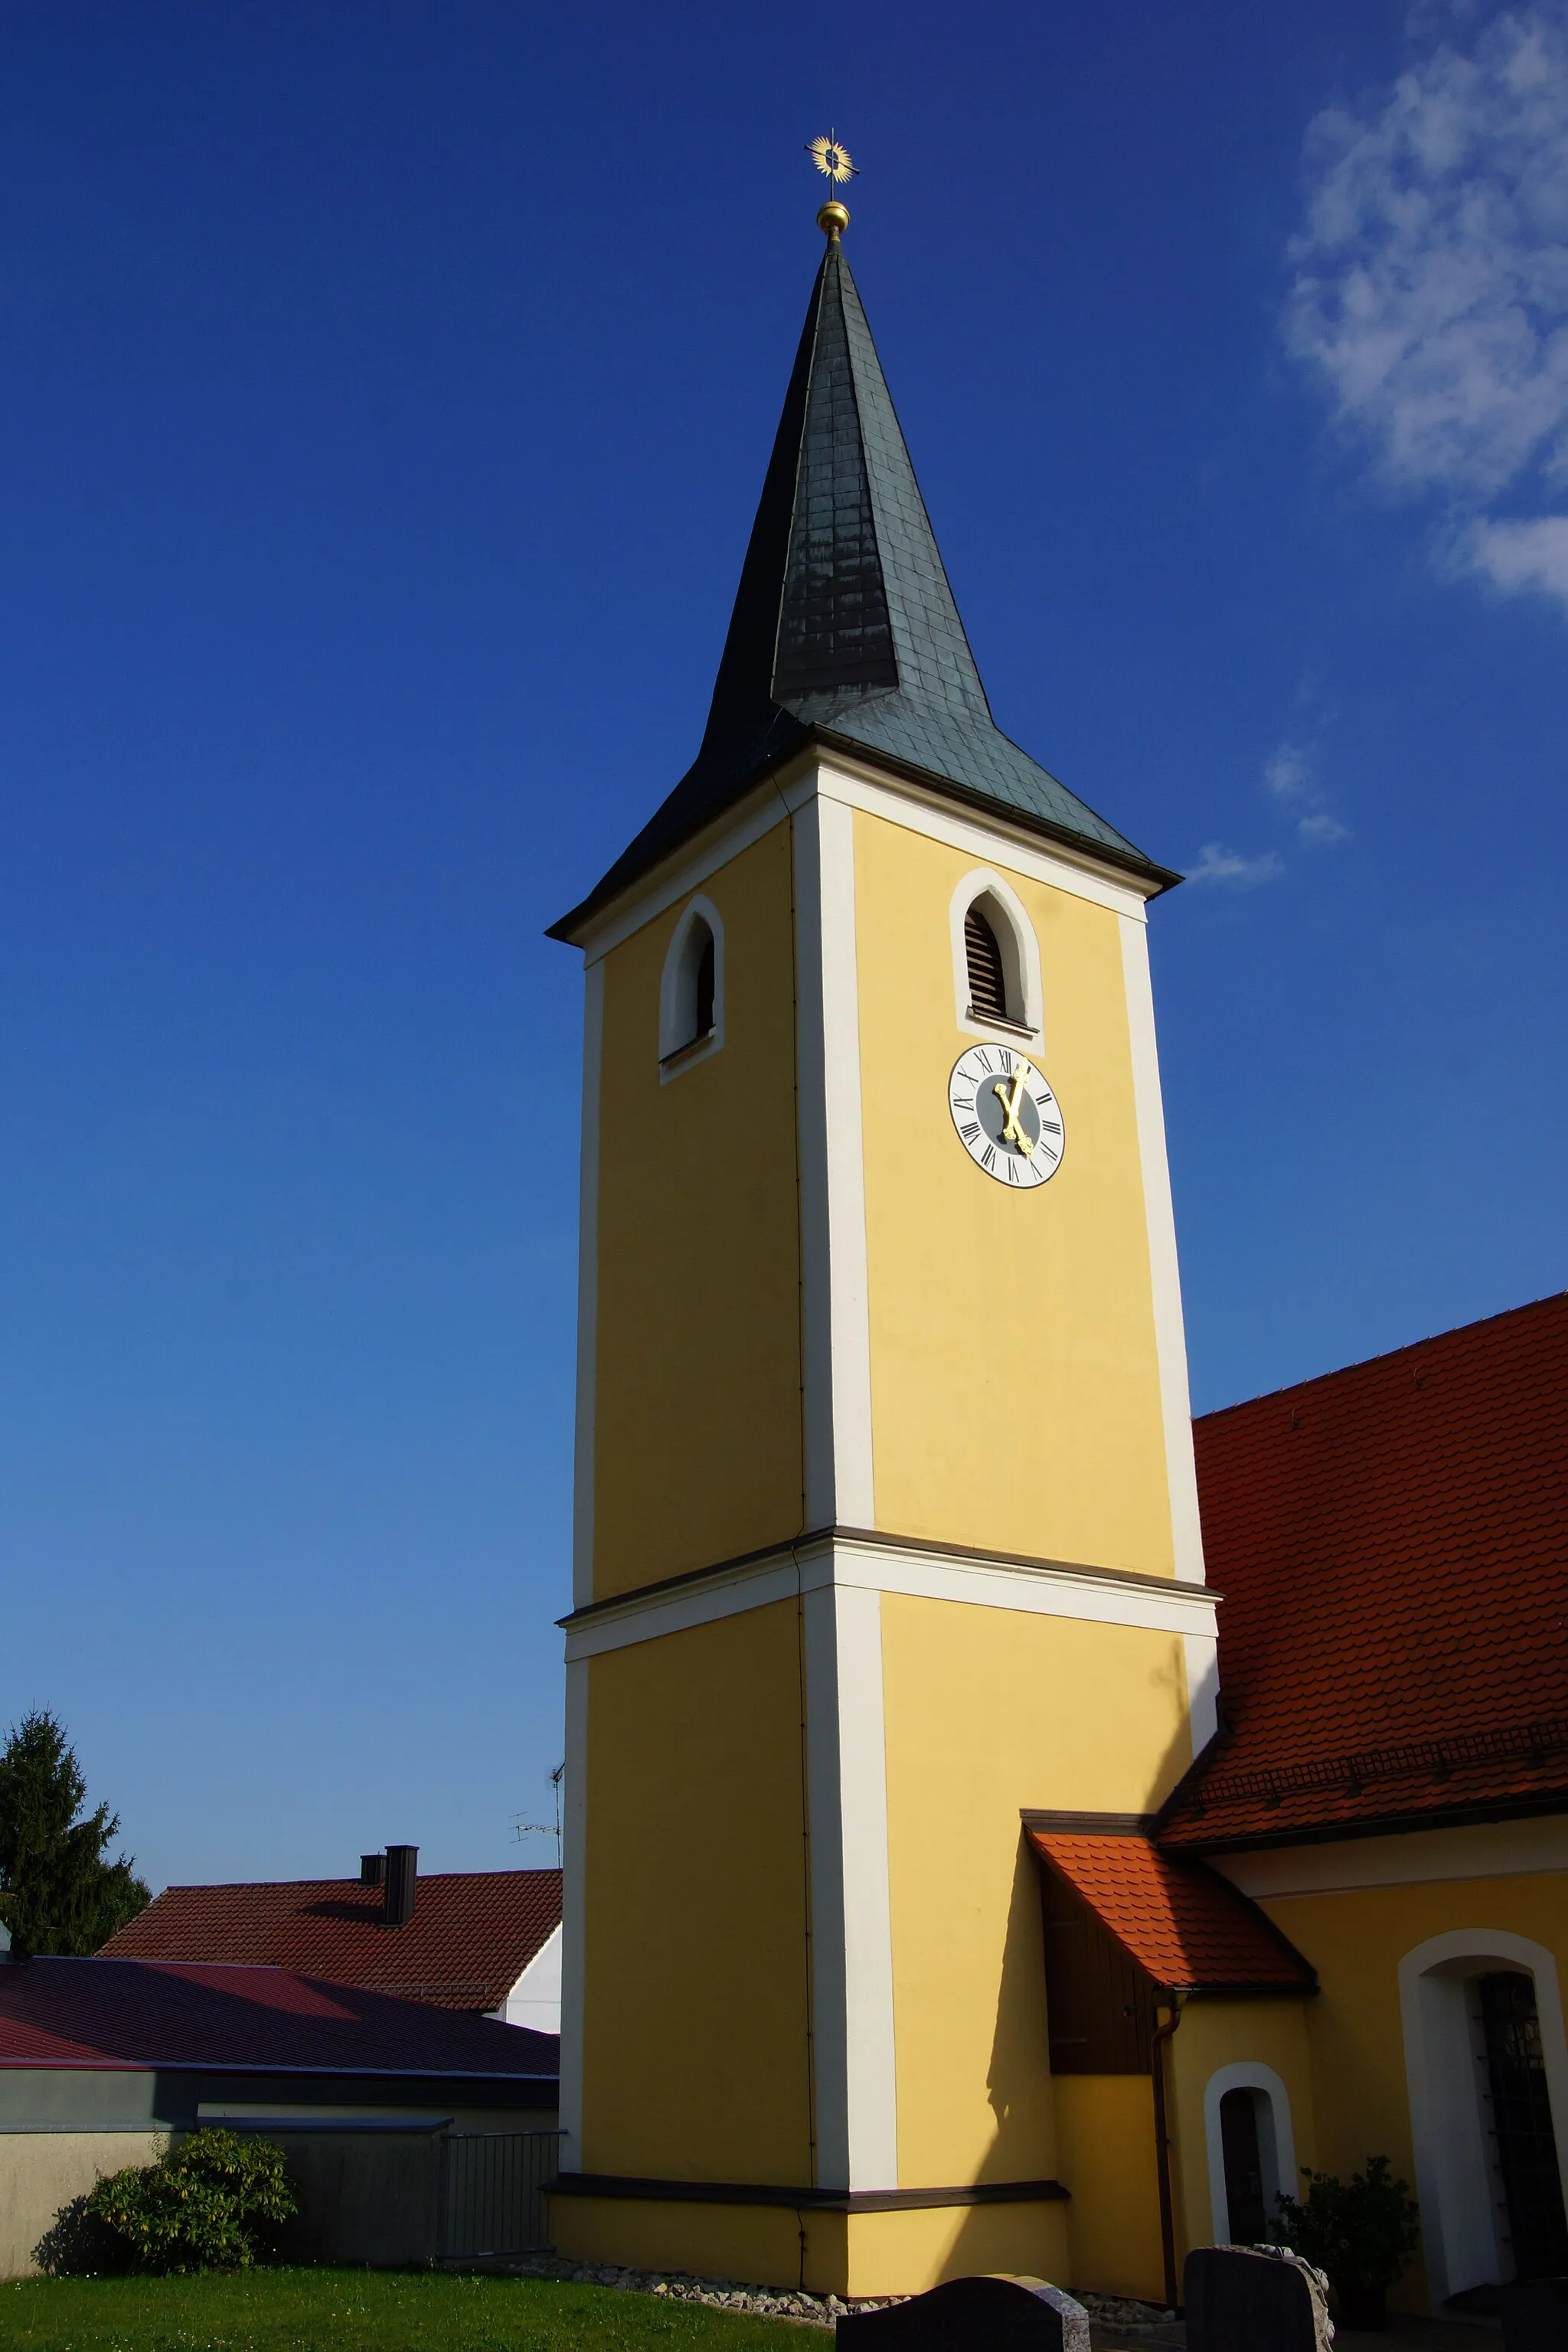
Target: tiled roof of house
473 1934
1183 1923
1392 1541
133 2014
845 630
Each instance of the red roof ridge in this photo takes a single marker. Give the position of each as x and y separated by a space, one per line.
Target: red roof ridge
1391 1539
278 1886
1385 1356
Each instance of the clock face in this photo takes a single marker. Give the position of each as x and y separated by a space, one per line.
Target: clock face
1007 1118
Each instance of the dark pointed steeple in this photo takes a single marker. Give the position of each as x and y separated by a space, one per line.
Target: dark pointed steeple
845 630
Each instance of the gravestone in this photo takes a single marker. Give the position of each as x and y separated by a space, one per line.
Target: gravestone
1535 2315
971 2314
1253 2299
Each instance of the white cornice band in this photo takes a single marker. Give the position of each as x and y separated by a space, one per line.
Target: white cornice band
991 840
844 1558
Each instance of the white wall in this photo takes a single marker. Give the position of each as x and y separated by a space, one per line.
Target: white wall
535 1999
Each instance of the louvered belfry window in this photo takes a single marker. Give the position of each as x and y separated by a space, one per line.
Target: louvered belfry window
987 981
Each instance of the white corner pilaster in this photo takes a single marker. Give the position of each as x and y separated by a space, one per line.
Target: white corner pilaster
587 1288
836 1333
1170 1336
573 1859
852 1949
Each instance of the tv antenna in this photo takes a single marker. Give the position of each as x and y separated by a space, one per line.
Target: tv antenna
521 1829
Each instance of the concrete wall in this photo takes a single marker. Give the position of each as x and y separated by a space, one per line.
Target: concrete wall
369 2196
41 2171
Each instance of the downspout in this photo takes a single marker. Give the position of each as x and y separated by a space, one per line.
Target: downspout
1162 2147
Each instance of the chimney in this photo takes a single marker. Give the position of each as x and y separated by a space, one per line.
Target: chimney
373 1870
401 1870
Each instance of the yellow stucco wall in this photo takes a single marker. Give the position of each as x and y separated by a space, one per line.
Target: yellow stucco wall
697 1420
1105 2131
827 2253
758 2245
904 2253
987 1710
695 2052
1015 1383
1216 2033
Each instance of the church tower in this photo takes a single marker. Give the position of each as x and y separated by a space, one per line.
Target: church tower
887 1528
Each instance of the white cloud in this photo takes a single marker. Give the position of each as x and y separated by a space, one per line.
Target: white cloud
1523 554
1290 778
1321 827
1217 865
1288 774
1431 295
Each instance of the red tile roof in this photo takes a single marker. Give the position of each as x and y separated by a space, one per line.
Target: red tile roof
1183 1923
136 2014
1392 1541
471 1935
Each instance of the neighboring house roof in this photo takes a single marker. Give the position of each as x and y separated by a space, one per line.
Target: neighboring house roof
845 630
472 1933
135 2014
1391 1543
1184 1926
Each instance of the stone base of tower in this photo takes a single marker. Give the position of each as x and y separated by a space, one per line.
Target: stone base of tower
899 2252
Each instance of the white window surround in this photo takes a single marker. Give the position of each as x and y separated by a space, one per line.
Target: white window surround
1453 2172
1003 911
1275 2138
679 1045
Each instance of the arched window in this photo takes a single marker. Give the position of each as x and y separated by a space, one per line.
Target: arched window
1251 2152
703 1024
995 958
691 989
987 981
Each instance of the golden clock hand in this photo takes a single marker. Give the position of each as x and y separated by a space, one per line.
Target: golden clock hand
1010 1100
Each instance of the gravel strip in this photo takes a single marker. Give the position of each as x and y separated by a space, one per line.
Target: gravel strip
719 2295
1120 2311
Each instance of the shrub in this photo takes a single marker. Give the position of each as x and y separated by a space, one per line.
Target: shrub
211 2204
1362 2231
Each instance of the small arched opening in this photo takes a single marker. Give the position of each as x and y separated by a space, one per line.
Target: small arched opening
691 987
1251 2152
997 962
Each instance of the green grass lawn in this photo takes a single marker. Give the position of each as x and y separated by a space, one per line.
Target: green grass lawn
364 2311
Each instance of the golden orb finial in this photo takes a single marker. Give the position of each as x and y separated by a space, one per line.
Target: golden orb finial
831 158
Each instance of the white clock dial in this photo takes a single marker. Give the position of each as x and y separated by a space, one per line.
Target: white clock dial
1007 1118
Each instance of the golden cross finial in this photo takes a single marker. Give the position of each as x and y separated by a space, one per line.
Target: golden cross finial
831 158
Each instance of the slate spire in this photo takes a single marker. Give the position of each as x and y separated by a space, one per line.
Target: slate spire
845 630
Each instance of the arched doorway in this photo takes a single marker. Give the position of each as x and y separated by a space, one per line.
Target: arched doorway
1488 2071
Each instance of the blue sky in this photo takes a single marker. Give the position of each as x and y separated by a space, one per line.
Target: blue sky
386 396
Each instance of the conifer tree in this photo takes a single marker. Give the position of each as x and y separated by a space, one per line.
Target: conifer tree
59 1892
